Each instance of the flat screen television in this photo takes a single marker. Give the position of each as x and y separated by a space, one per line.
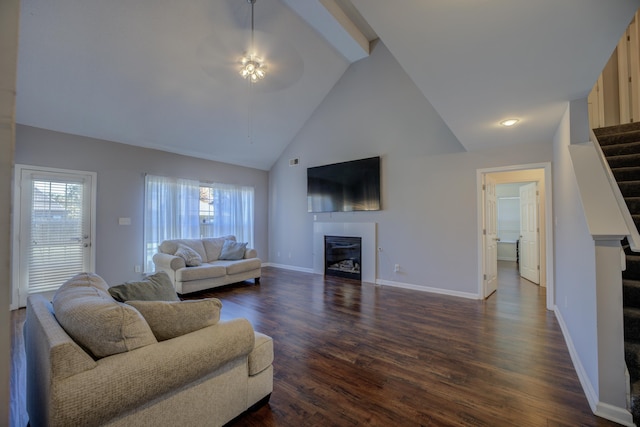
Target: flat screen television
344 187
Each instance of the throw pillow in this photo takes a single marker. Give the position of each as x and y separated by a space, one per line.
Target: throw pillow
232 250
190 257
156 287
173 319
95 321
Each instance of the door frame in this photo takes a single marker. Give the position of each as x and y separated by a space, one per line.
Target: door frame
16 224
548 231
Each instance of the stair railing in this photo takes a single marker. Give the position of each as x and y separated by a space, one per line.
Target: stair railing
633 237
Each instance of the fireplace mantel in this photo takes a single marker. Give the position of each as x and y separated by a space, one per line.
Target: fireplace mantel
364 230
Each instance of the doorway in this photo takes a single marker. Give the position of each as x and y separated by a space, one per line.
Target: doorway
540 174
53 229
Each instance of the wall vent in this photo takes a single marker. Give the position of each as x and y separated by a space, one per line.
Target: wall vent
294 162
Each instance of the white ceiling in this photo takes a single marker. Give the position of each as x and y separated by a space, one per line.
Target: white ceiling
164 74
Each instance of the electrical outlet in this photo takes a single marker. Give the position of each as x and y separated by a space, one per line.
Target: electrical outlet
137 269
396 268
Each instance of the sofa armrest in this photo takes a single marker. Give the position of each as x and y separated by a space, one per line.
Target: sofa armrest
166 261
250 253
261 357
128 380
47 340
52 356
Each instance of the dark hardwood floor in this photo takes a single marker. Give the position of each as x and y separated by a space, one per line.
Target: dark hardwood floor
352 355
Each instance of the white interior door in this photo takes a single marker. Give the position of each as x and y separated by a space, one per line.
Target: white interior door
529 247
490 235
55 223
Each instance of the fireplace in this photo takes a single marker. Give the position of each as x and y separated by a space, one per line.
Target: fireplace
369 249
343 256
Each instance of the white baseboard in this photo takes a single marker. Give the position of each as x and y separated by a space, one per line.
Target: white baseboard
288 267
507 258
614 413
426 289
385 282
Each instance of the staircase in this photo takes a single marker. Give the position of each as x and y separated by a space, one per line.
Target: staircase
621 147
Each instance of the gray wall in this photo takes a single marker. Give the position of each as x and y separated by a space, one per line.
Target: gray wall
575 274
9 12
120 189
428 223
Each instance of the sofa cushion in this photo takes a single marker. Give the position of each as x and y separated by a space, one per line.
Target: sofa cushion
240 266
170 319
156 287
171 246
232 250
96 321
261 357
205 271
213 246
190 256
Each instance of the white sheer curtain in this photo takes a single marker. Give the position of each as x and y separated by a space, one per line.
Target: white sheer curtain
171 212
233 207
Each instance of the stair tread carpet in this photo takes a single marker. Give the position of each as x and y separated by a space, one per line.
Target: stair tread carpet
632 271
633 203
621 149
616 130
619 138
630 188
631 283
631 293
632 357
632 312
631 323
629 173
624 160
635 400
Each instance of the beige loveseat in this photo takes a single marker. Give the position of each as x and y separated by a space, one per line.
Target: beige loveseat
204 377
212 270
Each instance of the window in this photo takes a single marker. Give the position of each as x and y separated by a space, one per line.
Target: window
186 209
227 209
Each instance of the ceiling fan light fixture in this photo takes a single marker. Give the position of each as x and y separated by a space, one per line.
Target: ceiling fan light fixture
253 68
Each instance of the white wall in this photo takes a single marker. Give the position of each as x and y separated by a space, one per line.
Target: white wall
429 217
9 12
120 189
575 275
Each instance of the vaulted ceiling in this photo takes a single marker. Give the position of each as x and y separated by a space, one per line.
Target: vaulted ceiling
165 74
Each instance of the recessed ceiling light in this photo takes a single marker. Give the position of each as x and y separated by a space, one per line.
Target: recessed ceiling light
509 122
